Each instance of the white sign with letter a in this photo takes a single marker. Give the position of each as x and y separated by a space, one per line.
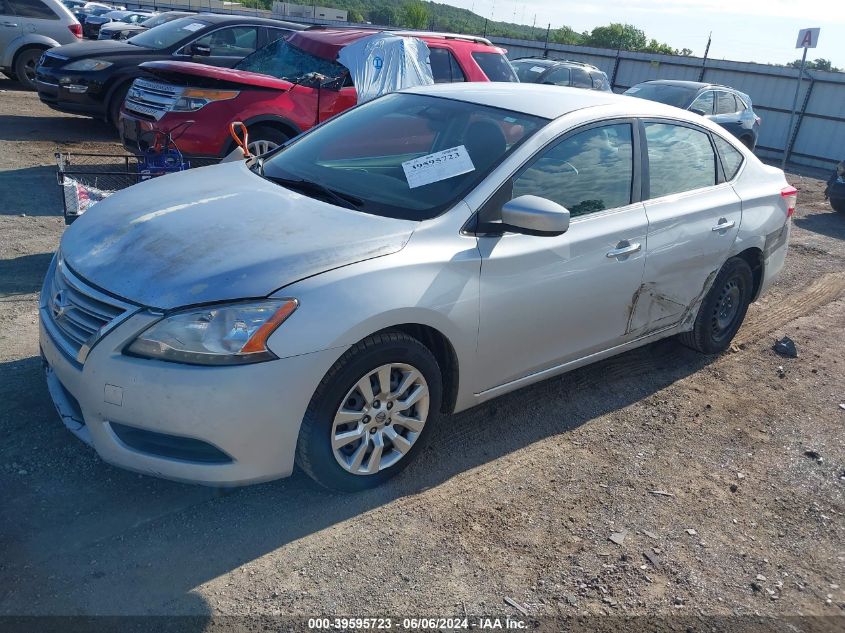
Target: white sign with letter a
808 38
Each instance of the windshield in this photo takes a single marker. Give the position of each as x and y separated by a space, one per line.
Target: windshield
529 70
404 156
159 19
678 96
285 61
168 34
496 66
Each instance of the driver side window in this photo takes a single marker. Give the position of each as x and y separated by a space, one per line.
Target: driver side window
586 172
237 41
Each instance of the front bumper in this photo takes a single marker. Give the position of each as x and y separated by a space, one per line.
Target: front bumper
54 90
250 413
197 139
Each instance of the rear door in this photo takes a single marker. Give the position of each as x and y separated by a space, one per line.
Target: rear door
34 16
693 220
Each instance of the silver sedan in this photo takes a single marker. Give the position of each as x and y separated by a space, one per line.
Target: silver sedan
327 303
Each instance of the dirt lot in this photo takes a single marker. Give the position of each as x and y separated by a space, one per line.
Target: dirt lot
517 498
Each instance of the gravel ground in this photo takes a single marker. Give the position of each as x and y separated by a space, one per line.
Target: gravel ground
720 479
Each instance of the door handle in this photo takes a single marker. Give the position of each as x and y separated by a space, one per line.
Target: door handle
624 248
723 225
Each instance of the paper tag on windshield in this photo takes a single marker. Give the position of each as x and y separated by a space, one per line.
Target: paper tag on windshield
194 26
438 166
537 69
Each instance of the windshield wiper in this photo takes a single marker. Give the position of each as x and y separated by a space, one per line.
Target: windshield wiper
309 186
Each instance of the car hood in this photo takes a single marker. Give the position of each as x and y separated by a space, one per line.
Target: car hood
186 71
101 49
216 234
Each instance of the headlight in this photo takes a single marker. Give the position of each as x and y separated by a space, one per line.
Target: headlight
88 64
193 99
231 334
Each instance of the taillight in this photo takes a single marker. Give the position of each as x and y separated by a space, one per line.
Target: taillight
76 29
790 194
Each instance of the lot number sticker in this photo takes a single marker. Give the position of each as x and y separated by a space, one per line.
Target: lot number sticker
438 166
194 26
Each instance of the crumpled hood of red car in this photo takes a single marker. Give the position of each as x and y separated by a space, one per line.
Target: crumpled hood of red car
184 71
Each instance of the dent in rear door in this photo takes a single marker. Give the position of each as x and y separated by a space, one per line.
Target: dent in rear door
692 226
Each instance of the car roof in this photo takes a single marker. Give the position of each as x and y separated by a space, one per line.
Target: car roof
327 42
549 102
218 18
545 61
696 85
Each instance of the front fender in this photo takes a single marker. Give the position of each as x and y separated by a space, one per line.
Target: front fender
22 41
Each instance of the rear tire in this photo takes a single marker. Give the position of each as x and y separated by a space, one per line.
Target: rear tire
263 138
345 425
838 204
25 64
723 309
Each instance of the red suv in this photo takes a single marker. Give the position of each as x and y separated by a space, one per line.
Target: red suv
278 91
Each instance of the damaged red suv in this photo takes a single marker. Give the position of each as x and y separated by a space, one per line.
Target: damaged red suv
280 90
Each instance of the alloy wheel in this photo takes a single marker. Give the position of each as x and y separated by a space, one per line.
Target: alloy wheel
380 418
257 148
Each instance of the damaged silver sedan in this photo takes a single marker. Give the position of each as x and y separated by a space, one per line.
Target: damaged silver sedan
325 304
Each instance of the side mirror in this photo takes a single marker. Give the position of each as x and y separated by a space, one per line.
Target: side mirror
698 111
535 216
200 50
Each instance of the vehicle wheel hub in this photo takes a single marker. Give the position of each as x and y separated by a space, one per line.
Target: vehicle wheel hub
380 418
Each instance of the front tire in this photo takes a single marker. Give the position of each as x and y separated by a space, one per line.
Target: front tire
263 139
723 309
25 64
838 204
371 412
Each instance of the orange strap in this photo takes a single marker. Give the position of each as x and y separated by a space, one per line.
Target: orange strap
236 129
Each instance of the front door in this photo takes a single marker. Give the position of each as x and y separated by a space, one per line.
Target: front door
693 222
549 300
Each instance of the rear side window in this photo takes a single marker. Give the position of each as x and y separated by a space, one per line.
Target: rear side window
731 157
679 159
444 66
704 103
32 9
557 77
726 104
587 172
581 78
496 66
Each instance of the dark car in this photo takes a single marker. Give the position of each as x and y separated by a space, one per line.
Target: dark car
92 78
93 23
125 30
724 105
835 191
560 72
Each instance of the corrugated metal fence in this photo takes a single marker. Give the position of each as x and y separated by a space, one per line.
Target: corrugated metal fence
818 139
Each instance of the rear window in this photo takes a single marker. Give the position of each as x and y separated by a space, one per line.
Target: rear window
496 66
31 9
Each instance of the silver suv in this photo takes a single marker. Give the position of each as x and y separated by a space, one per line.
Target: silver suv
27 29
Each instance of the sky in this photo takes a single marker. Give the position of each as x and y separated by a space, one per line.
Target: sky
762 31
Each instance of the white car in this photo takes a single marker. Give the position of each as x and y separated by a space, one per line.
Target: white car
327 303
